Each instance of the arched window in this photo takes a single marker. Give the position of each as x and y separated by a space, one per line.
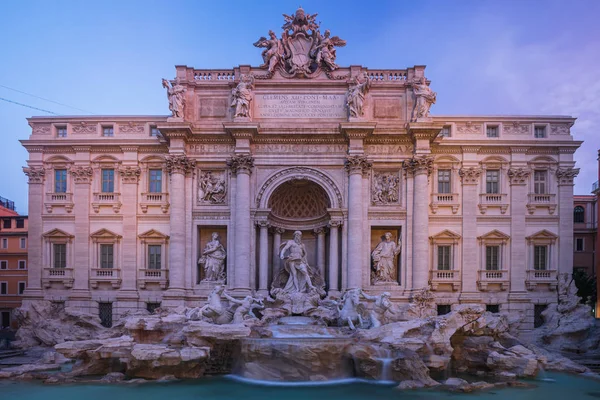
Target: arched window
579 214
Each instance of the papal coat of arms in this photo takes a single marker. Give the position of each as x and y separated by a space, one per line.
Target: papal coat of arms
302 49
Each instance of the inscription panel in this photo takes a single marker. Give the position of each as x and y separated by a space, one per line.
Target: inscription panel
327 106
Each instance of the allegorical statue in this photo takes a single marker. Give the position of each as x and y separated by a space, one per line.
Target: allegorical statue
176 97
325 49
424 98
211 188
384 257
213 259
356 95
273 52
381 306
242 97
215 310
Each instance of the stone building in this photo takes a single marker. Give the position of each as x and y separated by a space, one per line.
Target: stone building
478 207
13 261
596 193
584 233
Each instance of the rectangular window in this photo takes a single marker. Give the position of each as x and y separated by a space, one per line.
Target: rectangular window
6 223
3 287
539 182
22 264
108 131
106 256
444 181
492 131
155 182
539 132
443 309
20 223
493 308
4 243
3 264
445 131
443 258
105 311
154 131
540 257
61 131
579 244
538 309
154 256
108 180
23 243
492 181
152 306
22 287
492 258
60 181
60 255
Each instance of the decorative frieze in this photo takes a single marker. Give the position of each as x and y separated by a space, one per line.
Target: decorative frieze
418 164
470 175
515 128
241 163
212 187
566 176
358 164
44 129
81 174
131 127
179 164
130 174
518 176
35 174
385 189
469 128
84 128
560 129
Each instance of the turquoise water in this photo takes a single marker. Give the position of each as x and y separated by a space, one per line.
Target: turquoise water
563 387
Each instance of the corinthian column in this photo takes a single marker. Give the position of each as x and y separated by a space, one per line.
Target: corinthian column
356 166
470 179
178 166
420 167
565 178
263 256
242 165
277 232
36 202
333 256
320 234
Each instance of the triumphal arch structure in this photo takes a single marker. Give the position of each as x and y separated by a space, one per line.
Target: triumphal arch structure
299 176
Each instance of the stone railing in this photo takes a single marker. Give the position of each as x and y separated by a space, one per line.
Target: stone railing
59 200
487 200
487 277
214 75
541 200
158 276
106 199
444 200
390 75
155 199
541 276
451 277
109 275
58 275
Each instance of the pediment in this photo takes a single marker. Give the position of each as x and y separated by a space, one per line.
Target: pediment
153 234
494 235
543 235
105 234
57 233
445 234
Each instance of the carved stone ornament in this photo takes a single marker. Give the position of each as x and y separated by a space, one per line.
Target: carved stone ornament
212 259
35 174
385 188
81 174
560 129
176 95
84 128
179 164
515 129
41 129
242 97
358 164
241 163
131 127
130 174
518 176
384 258
469 128
470 175
302 49
357 92
566 176
418 164
212 187
424 99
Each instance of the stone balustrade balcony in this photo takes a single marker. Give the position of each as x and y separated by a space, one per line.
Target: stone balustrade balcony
489 200
156 276
541 277
388 75
58 275
155 200
439 277
493 277
214 75
107 199
108 275
444 200
59 200
539 200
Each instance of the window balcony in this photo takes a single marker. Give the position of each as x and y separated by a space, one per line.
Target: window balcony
487 200
155 200
58 275
536 200
59 200
541 277
107 199
444 200
156 276
445 277
108 275
493 277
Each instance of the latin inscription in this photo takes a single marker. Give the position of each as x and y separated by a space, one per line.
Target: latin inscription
300 148
300 106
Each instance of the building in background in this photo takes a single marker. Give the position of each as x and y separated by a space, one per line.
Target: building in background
13 260
596 192
585 217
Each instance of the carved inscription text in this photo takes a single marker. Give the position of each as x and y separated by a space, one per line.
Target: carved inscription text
300 106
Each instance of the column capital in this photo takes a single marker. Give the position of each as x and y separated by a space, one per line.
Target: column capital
518 176
81 174
241 164
319 231
334 223
35 174
470 175
263 224
358 164
419 165
179 164
130 174
566 176
277 230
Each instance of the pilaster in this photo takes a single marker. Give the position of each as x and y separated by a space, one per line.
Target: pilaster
36 177
518 178
82 178
565 177
130 176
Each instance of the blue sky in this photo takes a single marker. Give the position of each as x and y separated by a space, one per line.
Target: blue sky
483 57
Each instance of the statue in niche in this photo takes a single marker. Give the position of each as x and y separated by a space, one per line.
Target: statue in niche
325 49
382 305
273 52
424 97
384 260
299 273
242 97
211 188
213 258
176 97
385 188
356 95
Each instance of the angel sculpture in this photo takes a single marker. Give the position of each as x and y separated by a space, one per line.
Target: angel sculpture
176 98
325 49
273 52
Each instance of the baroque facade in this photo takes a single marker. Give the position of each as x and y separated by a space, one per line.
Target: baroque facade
135 212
